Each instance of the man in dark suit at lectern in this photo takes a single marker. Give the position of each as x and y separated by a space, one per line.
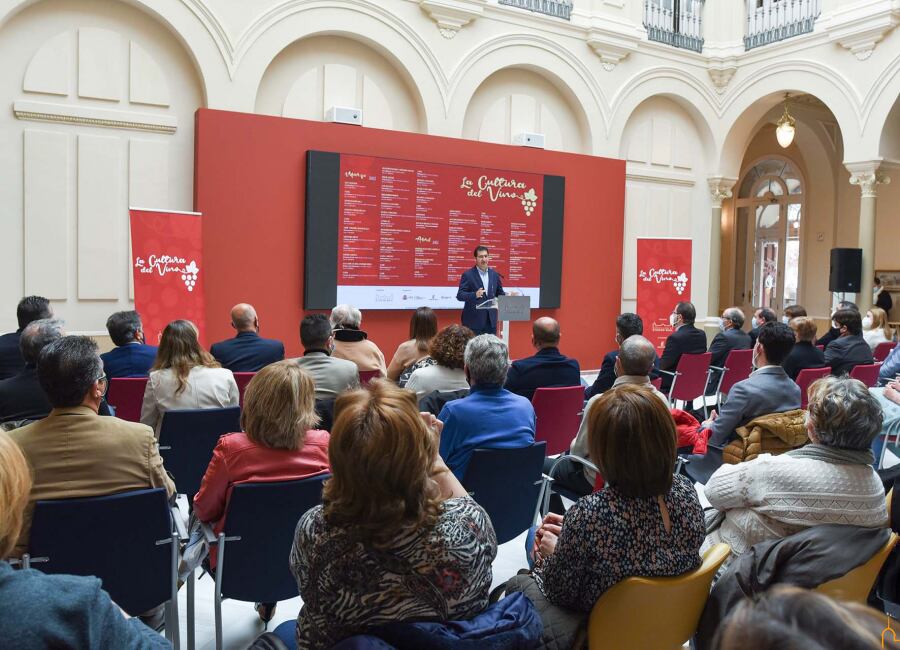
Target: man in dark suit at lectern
478 284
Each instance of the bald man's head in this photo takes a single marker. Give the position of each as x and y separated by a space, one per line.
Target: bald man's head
243 318
636 356
545 332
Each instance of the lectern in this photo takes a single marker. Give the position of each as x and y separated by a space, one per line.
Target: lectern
509 308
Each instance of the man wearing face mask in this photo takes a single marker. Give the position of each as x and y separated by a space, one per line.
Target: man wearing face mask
791 312
834 333
331 376
131 357
850 348
686 339
730 337
627 325
760 317
767 390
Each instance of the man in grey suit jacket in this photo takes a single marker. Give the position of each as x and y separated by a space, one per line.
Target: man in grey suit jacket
331 376
767 390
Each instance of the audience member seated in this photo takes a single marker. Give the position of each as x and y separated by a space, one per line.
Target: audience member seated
760 317
279 442
767 390
447 349
791 312
791 617
633 364
413 354
30 308
330 375
353 344
74 452
890 368
875 328
40 611
548 368
850 348
731 337
834 332
397 537
21 397
881 297
247 351
627 324
644 522
804 354
131 357
686 339
185 376
490 417
775 496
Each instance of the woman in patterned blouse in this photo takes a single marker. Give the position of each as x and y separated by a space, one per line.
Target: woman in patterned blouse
644 522
397 537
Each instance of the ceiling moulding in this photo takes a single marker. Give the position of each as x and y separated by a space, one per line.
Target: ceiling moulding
453 15
614 40
859 26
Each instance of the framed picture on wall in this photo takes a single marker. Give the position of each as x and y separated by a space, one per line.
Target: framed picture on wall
890 280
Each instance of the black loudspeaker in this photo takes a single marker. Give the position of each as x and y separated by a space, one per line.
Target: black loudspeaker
846 269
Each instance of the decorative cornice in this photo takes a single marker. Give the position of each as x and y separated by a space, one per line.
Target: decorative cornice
720 188
721 71
868 176
613 40
859 26
452 15
662 177
101 117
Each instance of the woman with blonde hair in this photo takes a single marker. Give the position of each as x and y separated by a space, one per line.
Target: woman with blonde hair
875 328
279 442
397 537
42 611
185 376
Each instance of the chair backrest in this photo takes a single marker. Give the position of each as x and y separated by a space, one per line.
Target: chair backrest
365 376
507 483
658 613
242 379
882 350
127 395
738 366
657 383
124 539
856 584
821 348
867 373
558 413
690 383
806 377
186 441
262 517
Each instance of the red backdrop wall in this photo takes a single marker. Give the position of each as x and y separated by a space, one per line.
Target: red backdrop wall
249 184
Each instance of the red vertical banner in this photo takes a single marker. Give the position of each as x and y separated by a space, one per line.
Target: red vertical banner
663 280
167 263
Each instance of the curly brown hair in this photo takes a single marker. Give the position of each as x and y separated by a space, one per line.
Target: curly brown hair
381 455
449 346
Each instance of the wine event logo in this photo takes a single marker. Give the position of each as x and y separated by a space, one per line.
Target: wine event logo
663 280
163 264
500 188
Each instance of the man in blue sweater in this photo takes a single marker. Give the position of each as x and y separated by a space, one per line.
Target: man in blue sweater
490 417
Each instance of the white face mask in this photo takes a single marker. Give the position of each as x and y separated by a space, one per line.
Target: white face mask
673 319
721 324
867 323
785 320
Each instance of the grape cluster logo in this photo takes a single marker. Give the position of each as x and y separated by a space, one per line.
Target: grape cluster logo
190 275
529 201
680 283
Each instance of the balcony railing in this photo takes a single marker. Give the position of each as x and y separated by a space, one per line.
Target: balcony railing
676 23
556 8
776 20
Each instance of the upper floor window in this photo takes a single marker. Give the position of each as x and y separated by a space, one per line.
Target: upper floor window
769 21
675 22
556 8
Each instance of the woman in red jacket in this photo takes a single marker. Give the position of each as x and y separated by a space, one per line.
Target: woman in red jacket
279 443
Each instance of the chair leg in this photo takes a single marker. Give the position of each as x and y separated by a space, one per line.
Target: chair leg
191 621
220 550
172 615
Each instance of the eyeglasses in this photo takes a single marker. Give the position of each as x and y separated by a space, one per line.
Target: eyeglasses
102 377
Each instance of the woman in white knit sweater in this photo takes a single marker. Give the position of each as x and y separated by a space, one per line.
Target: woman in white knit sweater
829 481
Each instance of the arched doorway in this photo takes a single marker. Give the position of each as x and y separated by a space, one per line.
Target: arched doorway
769 210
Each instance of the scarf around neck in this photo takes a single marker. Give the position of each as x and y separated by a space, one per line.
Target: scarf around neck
834 454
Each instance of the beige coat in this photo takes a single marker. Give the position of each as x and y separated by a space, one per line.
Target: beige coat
364 354
774 434
206 388
74 452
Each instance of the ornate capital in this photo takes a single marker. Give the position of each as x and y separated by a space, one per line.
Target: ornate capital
721 71
720 189
867 176
452 15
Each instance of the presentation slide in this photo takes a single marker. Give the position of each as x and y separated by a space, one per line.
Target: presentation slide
406 230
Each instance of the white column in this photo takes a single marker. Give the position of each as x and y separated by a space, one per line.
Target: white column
867 177
719 189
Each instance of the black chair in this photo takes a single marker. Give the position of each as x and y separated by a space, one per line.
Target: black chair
260 521
128 540
325 411
187 439
508 484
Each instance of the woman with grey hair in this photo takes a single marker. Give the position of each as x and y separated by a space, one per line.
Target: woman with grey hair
828 481
352 343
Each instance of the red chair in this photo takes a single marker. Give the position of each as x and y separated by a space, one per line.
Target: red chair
821 348
657 383
738 366
882 350
242 379
126 394
867 373
365 376
558 412
805 378
689 379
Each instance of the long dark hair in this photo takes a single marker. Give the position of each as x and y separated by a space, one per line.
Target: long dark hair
423 327
180 350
